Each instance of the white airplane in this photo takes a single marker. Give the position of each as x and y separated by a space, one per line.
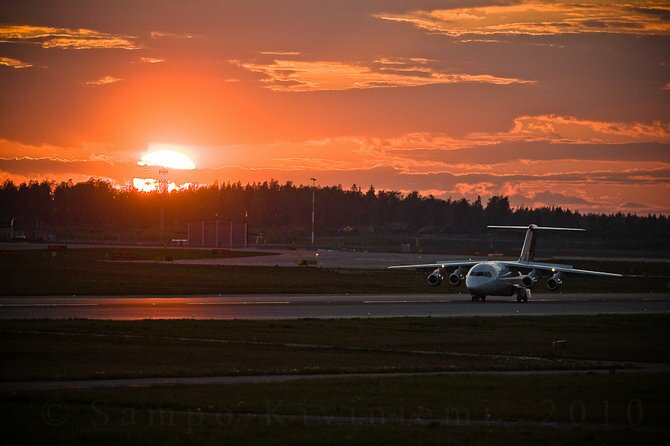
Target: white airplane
505 277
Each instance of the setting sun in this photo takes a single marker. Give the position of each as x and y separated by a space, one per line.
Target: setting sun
167 158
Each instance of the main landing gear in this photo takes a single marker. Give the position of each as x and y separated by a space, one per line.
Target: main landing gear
478 297
523 295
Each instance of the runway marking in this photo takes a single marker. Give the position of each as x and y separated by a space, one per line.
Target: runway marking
239 303
258 379
287 307
49 305
466 422
404 301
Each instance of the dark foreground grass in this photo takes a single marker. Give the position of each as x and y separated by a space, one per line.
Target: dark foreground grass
27 427
622 399
594 409
54 357
85 272
68 349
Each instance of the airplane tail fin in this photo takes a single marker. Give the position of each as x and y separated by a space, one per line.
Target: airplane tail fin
528 249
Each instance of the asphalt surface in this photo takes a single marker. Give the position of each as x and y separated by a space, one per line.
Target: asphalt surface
322 258
326 306
262 379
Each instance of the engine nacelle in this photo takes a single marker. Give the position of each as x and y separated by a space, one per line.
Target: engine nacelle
435 277
457 276
529 280
554 282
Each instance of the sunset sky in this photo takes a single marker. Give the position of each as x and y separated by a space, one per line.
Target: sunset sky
550 102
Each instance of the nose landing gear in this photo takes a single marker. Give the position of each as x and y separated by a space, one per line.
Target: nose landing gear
523 295
478 297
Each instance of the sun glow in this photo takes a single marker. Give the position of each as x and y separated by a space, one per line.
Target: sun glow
170 159
165 157
152 185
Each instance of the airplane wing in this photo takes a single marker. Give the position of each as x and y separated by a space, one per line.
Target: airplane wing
554 268
445 264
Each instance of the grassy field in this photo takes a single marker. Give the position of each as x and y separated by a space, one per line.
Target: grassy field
86 272
535 398
596 409
28 427
33 357
607 409
79 255
105 349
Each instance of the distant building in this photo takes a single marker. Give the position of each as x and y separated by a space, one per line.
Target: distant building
7 231
217 234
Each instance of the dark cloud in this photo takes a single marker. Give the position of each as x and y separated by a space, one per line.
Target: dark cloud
388 176
556 198
633 205
660 13
542 151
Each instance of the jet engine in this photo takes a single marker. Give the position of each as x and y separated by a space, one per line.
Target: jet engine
530 279
457 276
435 277
554 282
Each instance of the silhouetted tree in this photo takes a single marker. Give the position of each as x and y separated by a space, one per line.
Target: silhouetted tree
284 211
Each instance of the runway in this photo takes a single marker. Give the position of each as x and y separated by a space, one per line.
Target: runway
326 306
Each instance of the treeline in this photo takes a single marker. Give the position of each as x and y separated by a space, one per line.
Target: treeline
282 212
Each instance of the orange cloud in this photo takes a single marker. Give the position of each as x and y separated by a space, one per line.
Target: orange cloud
86 152
533 17
470 189
280 53
15 149
105 80
568 128
13 63
550 128
532 144
567 133
168 35
50 37
151 60
298 76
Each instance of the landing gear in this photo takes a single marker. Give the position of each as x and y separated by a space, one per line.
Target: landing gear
523 295
478 297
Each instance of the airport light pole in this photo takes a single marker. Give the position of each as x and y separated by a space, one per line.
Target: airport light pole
162 186
313 189
217 231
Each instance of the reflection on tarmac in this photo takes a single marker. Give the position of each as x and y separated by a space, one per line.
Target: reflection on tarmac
325 306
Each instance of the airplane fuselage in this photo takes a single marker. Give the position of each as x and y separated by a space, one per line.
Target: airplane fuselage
485 278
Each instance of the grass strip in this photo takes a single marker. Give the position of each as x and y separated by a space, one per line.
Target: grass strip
85 272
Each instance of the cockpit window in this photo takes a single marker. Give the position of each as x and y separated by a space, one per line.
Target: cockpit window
482 274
